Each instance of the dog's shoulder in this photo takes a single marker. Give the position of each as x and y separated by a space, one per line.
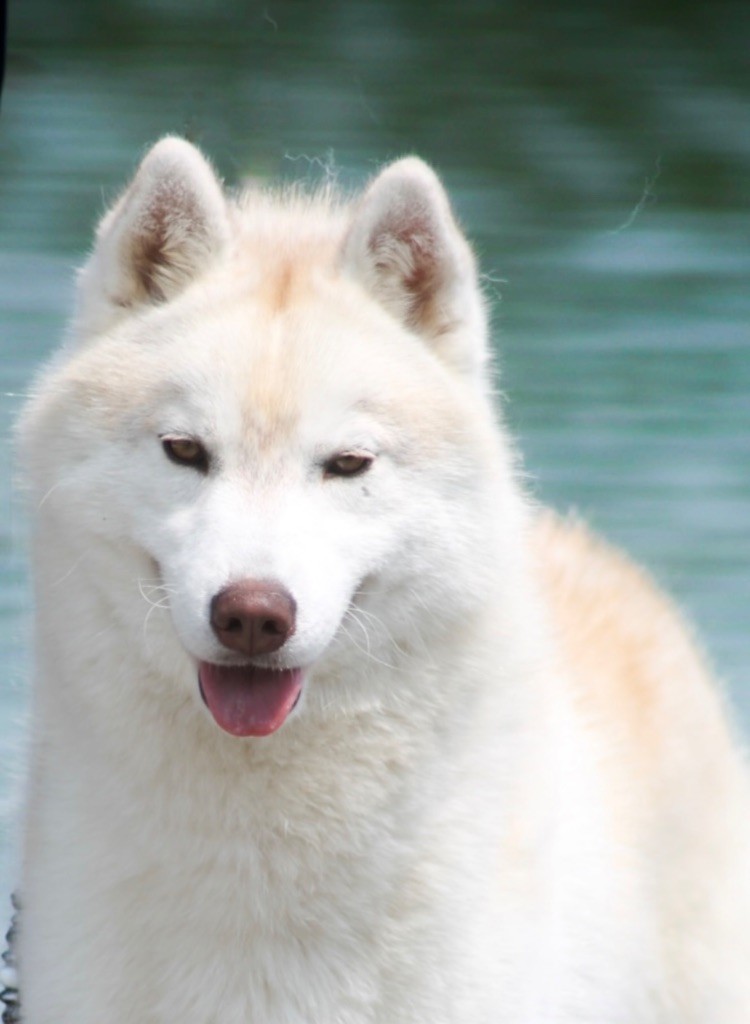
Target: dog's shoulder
630 655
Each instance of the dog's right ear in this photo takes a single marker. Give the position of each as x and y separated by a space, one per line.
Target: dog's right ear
167 227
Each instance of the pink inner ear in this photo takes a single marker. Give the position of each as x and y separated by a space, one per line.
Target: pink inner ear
407 249
149 252
159 236
170 236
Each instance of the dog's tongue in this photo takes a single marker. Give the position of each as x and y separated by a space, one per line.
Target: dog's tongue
249 701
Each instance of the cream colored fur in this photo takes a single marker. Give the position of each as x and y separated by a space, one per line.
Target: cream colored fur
509 794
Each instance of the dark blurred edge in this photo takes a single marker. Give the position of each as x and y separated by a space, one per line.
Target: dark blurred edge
3 31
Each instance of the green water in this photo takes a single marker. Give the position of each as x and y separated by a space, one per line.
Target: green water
598 154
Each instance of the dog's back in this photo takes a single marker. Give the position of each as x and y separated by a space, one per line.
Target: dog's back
677 785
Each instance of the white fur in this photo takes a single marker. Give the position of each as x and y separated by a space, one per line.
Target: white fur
427 839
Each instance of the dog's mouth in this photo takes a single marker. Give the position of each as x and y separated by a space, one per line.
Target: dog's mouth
246 700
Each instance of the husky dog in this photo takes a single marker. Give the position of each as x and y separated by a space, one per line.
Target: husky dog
330 724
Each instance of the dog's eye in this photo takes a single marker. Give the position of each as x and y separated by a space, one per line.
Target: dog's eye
186 451
348 464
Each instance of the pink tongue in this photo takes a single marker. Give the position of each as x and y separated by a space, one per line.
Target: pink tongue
249 701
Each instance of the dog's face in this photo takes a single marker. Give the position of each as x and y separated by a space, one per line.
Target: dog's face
273 436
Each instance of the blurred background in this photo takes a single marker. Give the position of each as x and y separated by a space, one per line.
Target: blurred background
598 154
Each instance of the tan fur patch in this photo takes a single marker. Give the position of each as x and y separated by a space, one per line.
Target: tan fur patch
622 639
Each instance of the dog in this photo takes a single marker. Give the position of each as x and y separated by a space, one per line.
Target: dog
331 724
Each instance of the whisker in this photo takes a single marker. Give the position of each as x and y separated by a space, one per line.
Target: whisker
147 589
367 651
71 570
49 492
388 636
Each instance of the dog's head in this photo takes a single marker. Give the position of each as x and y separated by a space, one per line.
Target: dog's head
272 414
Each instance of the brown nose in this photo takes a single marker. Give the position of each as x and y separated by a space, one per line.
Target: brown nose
253 616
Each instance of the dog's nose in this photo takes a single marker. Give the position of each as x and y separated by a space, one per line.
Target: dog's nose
253 616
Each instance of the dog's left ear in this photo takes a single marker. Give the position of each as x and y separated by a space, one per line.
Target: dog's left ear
405 248
164 231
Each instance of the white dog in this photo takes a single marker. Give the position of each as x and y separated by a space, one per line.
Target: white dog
329 725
